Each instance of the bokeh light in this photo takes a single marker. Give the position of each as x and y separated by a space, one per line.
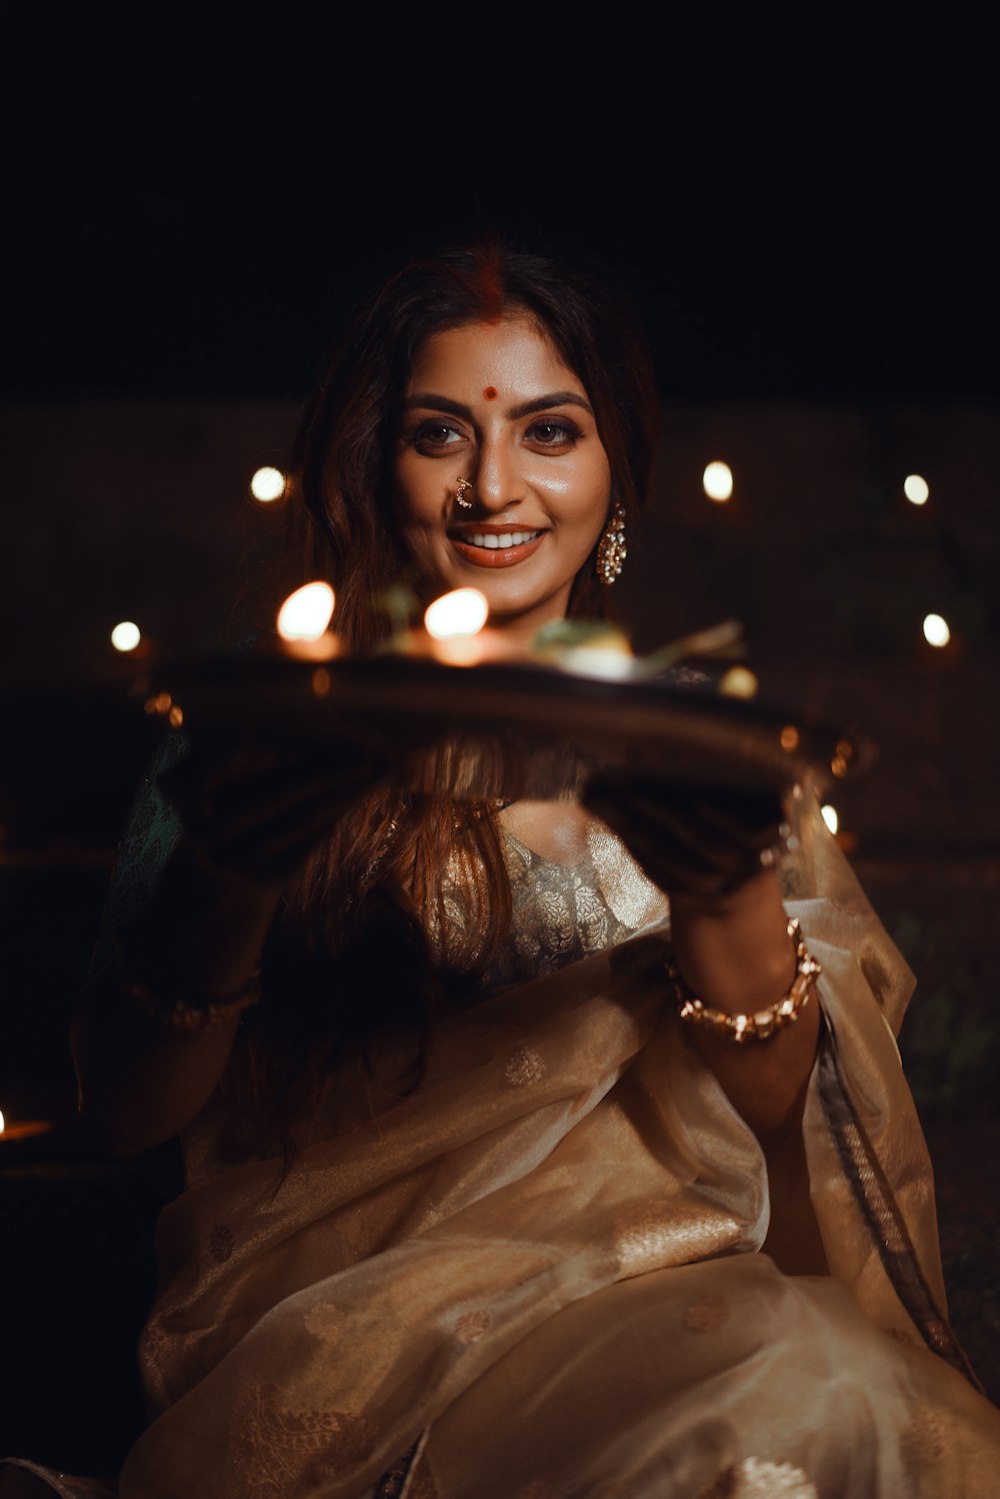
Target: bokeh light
306 613
830 817
936 631
738 681
268 485
462 612
717 481
916 489
125 636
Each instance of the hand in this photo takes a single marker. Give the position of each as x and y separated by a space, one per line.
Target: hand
255 810
698 844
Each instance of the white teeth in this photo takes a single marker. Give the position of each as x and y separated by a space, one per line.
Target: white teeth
492 541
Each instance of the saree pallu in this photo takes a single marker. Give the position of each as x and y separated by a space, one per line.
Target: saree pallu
541 1274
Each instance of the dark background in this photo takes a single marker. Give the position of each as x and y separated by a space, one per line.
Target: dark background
191 198
193 201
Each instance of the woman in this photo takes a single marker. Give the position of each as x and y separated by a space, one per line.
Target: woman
479 1200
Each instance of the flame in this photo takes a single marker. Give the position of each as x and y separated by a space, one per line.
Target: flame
3 1122
306 613
461 612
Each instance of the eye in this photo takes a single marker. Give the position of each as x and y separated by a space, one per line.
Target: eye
554 432
434 436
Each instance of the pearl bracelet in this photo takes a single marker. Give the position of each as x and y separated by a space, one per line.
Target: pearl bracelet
763 1023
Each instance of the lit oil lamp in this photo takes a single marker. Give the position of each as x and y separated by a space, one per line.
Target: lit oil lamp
303 623
22 1131
456 628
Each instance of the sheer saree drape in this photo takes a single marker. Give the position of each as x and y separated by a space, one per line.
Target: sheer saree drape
540 1274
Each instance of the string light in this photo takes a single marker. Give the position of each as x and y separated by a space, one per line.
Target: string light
916 489
125 636
717 482
830 817
268 485
936 631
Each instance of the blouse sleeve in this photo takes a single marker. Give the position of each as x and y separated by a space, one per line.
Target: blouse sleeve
150 837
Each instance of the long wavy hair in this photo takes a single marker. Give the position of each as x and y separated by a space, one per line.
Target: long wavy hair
351 961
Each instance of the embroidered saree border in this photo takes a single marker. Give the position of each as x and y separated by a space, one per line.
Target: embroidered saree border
395 1483
876 1200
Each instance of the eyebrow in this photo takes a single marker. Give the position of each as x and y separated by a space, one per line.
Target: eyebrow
431 402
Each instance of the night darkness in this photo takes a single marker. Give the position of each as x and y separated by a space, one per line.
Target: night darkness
191 206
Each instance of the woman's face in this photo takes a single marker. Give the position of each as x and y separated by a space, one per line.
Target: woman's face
494 404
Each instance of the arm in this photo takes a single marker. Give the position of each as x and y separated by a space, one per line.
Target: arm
141 1079
712 853
735 954
187 918
731 946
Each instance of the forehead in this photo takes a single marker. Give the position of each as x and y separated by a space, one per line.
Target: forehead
512 357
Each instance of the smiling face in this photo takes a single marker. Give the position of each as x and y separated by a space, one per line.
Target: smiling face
495 404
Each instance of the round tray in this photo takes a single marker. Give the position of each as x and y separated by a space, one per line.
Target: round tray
514 729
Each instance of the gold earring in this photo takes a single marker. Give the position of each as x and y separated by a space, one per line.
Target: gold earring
612 550
463 485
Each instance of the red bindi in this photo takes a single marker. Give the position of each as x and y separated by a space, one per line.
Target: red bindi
490 393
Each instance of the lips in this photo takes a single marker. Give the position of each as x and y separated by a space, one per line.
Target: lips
496 546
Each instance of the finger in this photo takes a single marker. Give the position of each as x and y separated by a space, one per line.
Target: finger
258 831
671 860
740 820
697 843
269 789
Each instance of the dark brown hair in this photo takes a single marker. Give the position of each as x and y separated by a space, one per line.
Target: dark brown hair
343 476
356 924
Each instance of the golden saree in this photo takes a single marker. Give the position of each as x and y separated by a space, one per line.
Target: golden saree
540 1274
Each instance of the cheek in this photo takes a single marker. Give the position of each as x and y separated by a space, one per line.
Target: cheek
596 484
580 490
413 504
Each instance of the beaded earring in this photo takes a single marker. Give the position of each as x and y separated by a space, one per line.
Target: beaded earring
612 550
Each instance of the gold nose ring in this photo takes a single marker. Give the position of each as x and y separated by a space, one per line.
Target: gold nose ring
463 486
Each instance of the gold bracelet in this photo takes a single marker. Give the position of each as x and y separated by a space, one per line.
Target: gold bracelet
181 1014
763 1023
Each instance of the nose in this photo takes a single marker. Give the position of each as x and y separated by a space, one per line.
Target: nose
497 478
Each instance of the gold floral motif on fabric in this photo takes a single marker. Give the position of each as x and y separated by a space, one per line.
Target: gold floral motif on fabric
324 1320
473 1325
524 1067
708 1314
278 1452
